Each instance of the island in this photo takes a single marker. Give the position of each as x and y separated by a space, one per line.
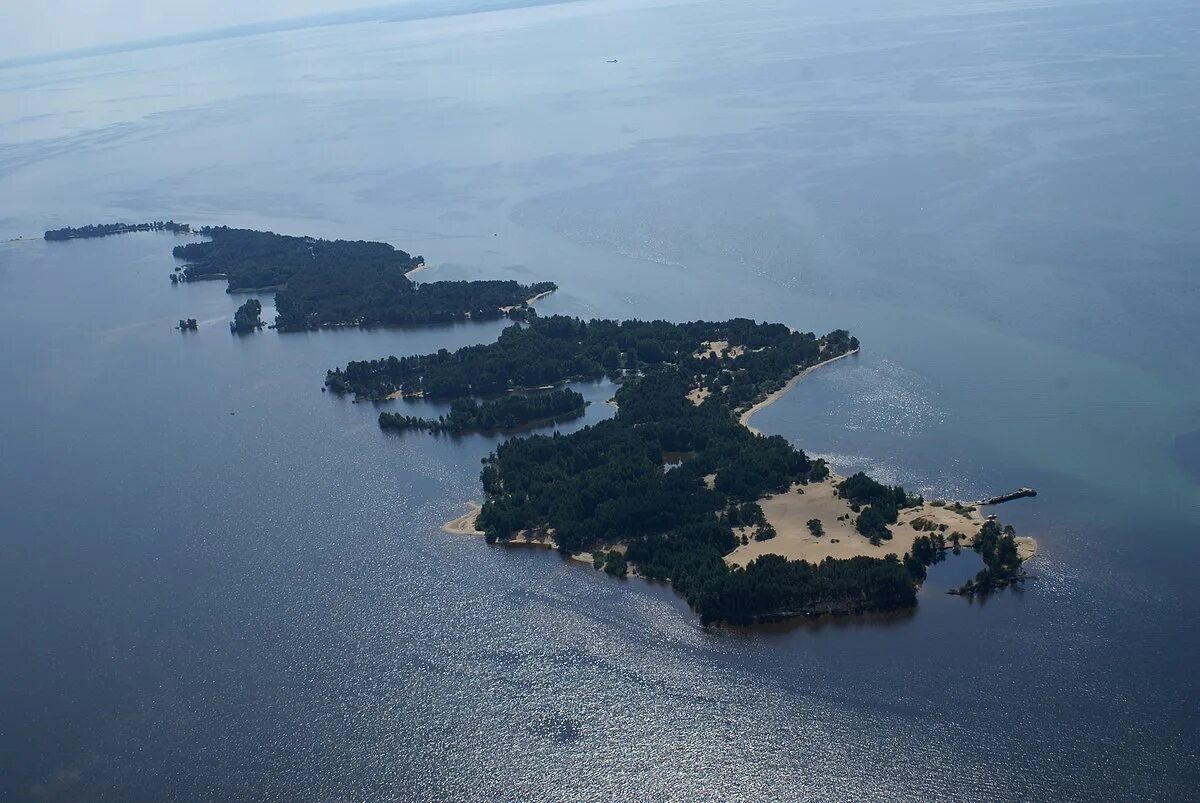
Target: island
321 283
247 317
107 229
329 283
677 486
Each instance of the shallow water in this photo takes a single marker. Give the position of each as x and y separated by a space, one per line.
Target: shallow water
218 582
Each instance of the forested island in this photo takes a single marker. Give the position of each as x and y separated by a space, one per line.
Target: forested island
603 491
506 414
342 282
321 283
676 486
106 229
247 317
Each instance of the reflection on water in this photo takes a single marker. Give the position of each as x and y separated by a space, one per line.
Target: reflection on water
996 198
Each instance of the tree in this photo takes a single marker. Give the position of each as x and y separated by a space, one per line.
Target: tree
246 318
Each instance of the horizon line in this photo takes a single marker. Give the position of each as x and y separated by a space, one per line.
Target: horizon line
387 12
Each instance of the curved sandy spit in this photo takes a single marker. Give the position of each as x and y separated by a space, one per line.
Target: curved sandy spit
465 524
744 418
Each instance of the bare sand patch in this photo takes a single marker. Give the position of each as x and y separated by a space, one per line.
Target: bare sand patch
790 512
465 524
511 307
404 394
719 348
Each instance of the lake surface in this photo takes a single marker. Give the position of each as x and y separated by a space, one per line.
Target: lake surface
219 583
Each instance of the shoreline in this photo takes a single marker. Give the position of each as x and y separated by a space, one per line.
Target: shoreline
408 274
514 307
744 418
789 513
465 525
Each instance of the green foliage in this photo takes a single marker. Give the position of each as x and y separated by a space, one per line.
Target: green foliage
815 527
774 587
764 532
1001 560
506 413
615 563
106 229
557 348
882 505
343 282
926 551
246 318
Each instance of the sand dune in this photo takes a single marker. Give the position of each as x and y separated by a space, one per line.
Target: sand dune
789 513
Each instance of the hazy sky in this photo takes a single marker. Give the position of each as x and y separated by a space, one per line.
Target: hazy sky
29 27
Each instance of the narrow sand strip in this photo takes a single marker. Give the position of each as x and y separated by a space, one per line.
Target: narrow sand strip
465 524
744 418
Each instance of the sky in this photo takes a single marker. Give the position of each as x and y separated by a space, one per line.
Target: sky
39 27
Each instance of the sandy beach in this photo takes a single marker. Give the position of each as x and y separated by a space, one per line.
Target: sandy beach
417 269
790 512
538 297
744 418
465 524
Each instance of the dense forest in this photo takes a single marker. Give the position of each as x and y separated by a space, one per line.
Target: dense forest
247 317
604 490
106 229
342 282
877 505
510 412
329 282
557 348
251 260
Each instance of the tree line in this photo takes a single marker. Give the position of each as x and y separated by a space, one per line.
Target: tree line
548 350
1002 565
247 317
877 505
106 229
507 413
343 282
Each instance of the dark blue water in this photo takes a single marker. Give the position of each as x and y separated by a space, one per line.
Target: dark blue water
218 582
